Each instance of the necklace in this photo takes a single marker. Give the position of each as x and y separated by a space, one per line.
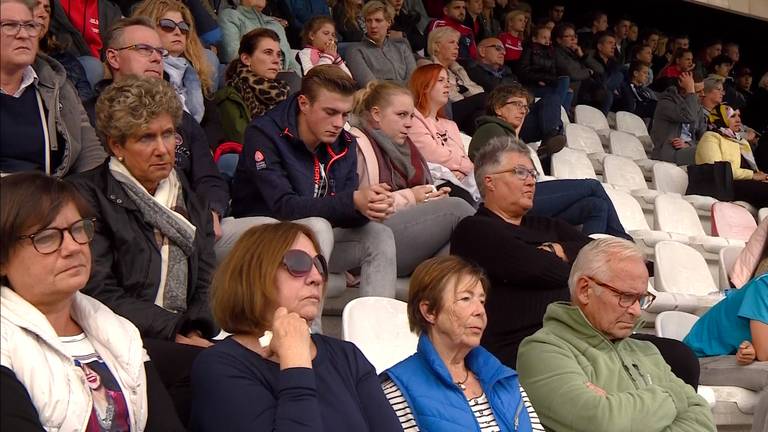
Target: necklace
106 421
461 384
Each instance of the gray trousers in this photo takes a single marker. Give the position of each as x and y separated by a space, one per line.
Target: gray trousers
370 247
424 230
724 371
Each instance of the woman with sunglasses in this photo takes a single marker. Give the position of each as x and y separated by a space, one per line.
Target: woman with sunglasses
154 244
49 327
272 374
190 68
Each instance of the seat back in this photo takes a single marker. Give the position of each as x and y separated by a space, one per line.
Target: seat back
728 256
623 172
668 177
572 164
631 123
536 161
674 324
580 137
627 145
590 116
732 221
564 116
465 139
379 327
630 213
679 268
675 215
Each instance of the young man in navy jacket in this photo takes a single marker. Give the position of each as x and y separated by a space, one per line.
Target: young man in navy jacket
298 162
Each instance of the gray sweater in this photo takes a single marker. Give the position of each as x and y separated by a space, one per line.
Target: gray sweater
392 61
671 112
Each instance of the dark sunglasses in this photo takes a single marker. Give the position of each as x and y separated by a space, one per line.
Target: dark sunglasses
299 263
169 25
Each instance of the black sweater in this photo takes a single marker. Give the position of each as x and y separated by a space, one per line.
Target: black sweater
524 279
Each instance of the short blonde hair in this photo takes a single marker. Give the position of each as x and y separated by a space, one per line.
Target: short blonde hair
126 107
438 35
429 283
374 6
243 292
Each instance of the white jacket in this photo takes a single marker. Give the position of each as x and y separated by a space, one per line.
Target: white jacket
30 347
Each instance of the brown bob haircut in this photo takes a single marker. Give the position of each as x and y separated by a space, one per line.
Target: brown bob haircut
330 78
429 283
501 94
243 294
30 201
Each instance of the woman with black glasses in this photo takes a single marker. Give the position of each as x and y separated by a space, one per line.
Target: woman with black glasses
272 374
57 343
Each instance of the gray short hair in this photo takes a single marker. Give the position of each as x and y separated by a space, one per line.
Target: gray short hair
713 81
488 158
594 259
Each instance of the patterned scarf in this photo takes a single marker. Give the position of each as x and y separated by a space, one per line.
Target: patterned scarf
258 93
720 121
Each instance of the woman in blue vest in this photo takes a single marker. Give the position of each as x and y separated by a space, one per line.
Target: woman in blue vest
452 383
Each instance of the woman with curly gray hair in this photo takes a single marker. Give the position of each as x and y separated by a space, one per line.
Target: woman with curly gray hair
153 246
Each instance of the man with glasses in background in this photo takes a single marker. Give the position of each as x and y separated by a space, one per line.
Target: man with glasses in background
582 370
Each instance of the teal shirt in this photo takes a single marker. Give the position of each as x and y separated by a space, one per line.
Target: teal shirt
723 328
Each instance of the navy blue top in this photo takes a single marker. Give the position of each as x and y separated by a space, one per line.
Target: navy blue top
235 389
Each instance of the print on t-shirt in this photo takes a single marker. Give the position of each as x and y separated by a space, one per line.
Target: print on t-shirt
110 412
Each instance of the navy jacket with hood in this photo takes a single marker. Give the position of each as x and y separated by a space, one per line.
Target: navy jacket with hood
278 176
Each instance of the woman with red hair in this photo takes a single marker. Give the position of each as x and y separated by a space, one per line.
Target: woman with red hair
438 138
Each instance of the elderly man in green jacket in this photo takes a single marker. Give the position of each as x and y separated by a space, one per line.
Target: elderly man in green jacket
583 372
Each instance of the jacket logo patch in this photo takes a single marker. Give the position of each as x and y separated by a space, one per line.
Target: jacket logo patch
259 158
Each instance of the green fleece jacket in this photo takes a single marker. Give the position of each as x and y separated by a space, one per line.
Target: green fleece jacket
488 127
234 114
557 363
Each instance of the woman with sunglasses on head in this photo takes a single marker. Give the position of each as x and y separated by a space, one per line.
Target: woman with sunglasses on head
272 374
49 328
153 247
190 69
424 216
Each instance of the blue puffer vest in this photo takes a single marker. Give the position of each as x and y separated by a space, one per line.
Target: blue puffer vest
439 405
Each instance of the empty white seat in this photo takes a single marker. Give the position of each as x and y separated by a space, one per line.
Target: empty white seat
675 215
584 138
732 221
537 165
379 327
674 325
679 268
728 256
589 116
465 139
632 123
564 117
623 173
629 146
670 178
762 214
572 164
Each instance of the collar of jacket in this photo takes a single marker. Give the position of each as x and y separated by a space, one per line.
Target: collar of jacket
115 192
371 41
485 119
50 73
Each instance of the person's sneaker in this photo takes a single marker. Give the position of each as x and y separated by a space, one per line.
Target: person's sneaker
552 144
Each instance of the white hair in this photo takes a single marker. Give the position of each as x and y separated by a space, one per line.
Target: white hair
763 81
439 34
595 258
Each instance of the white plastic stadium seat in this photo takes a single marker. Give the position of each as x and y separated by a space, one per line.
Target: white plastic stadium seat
674 325
537 165
632 123
589 116
670 178
679 268
732 221
572 164
623 173
580 137
465 139
675 215
762 214
728 256
564 117
379 327
629 146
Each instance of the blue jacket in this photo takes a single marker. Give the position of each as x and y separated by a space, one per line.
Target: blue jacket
439 405
303 10
278 176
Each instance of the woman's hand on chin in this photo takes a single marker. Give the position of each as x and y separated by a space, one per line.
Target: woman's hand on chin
291 341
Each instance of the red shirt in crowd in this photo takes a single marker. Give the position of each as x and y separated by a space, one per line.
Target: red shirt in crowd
513 46
670 71
84 16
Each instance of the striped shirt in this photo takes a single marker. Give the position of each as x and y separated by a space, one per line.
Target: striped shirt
480 406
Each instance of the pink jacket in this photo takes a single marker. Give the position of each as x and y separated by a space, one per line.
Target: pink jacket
310 57
439 141
746 263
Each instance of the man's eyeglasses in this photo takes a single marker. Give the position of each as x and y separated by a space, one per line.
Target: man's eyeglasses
627 300
169 25
520 172
12 28
49 240
145 50
299 263
522 106
499 47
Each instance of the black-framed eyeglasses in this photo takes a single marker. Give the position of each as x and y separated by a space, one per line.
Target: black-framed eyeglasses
145 50
627 300
12 28
299 263
49 240
522 106
521 172
169 25
498 47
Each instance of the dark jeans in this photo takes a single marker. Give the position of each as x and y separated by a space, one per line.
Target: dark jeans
543 121
678 356
578 202
612 83
560 90
464 112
